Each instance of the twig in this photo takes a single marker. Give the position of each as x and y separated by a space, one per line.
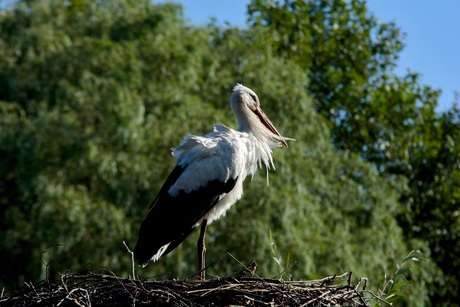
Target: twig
205 268
286 269
132 259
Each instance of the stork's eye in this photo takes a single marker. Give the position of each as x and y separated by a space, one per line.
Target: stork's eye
254 97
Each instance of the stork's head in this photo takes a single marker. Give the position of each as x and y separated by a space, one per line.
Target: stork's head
246 107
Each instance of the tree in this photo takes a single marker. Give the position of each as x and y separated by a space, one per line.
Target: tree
386 119
431 210
75 140
93 95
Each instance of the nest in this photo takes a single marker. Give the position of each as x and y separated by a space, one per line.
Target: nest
88 289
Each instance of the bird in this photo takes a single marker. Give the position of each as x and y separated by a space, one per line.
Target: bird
208 179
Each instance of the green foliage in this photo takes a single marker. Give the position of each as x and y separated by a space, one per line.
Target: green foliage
431 210
94 93
394 285
386 119
76 152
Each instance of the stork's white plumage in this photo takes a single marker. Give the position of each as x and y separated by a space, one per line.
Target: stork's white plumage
208 178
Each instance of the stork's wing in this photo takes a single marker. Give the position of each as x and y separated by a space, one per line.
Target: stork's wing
172 218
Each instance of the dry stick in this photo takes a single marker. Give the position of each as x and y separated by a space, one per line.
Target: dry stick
120 282
377 298
234 258
286 269
349 278
205 268
257 277
243 265
77 299
132 258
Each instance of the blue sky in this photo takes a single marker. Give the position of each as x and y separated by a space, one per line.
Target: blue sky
432 35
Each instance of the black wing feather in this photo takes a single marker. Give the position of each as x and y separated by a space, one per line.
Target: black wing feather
172 219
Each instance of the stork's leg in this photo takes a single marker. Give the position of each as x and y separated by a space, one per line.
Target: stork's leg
202 249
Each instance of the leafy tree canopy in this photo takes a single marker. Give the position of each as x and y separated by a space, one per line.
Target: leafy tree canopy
94 93
390 120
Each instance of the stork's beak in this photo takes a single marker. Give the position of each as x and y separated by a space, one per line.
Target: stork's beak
268 124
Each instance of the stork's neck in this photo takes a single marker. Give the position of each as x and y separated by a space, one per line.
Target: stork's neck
250 123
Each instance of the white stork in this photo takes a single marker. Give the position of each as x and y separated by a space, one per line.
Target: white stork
208 178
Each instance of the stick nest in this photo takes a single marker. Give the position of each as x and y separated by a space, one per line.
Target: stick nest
88 289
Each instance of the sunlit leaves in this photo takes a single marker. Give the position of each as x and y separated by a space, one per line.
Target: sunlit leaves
389 120
95 93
